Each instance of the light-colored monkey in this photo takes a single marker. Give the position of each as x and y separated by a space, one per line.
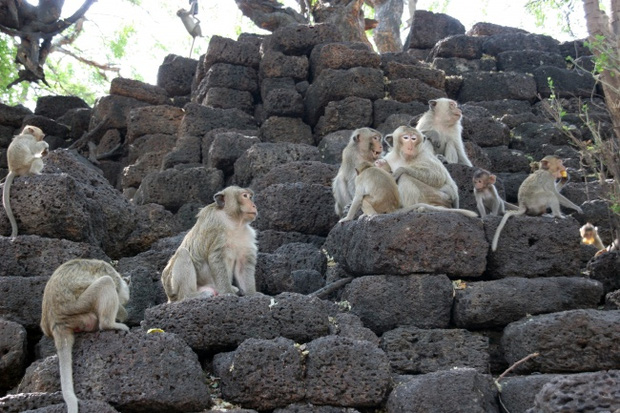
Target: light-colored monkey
486 194
220 247
82 295
364 145
589 236
442 125
192 25
423 181
24 158
539 192
376 191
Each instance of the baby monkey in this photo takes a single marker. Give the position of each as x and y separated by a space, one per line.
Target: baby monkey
487 198
589 236
376 191
82 295
24 158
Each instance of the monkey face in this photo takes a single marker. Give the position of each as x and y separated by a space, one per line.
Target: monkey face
455 111
375 148
369 143
408 140
483 180
247 206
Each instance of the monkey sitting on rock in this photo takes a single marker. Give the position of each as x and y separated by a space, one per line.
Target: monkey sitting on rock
24 158
219 249
82 295
539 192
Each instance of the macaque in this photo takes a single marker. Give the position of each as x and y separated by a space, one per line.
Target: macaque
192 25
442 125
376 191
539 192
614 246
589 236
220 247
364 145
486 194
82 295
24 158
421 177
423 181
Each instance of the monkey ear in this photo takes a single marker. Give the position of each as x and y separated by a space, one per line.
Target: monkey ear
544 164
127 280
492 179
356 137
389 139
432 103
219 199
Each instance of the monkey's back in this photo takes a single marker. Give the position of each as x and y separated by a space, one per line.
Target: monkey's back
533 193
66 284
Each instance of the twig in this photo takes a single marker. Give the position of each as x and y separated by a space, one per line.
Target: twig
328 289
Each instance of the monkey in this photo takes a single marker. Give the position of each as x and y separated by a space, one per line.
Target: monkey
376 191
589 236
364 145
219 248
614 246
539 192
442 125
486 194
24 158
383 164
421 177
423 181
82 295
192 25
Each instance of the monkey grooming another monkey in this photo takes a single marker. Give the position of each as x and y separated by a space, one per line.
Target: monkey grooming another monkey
538 192
589 236
82 295
442 125
376 191
220 247
24 158
364 145
486 194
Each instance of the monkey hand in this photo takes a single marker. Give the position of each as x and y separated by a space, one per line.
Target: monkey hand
398 173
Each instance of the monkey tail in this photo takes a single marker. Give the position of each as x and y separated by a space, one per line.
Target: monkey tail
421 207
6 202
501 226
64 339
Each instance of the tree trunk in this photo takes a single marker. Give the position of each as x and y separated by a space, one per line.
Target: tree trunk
387 33
35 26
599 25
269 14
346 15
